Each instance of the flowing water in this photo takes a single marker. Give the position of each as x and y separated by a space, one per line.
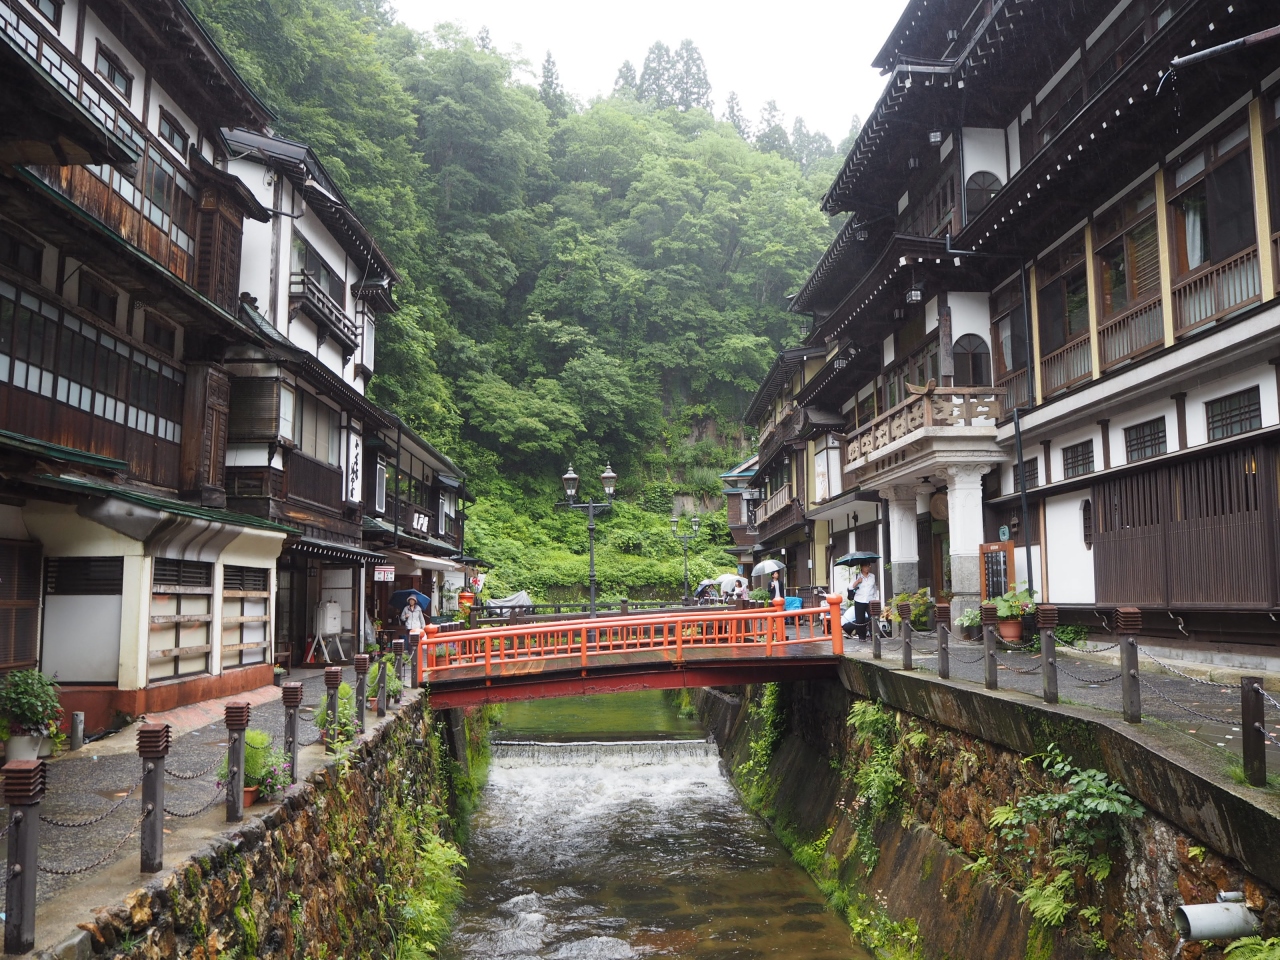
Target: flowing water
608 850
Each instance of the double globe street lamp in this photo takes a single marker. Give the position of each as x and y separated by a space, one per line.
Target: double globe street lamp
609 480
684 539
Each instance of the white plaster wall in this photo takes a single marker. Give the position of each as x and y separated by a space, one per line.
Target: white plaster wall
984 149
255 250
1070 560
1150 411
247 455
11 524
330 354
1262 376
1020 567
67 29
95 30
970 313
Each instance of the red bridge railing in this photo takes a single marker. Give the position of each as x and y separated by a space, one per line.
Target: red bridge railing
511 650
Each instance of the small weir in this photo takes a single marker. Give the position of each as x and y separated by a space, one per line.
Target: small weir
639 848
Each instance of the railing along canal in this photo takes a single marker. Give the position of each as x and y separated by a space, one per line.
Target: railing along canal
467 654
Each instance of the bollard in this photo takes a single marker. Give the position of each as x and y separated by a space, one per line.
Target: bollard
942 616
472 616
1046 620
382 687
1252 731
833 624
362 681
397 647
23 791
625 606
989 621
1128 624
332 680
153 747
77 729
415 661
904 617
874 626
291 694
237 719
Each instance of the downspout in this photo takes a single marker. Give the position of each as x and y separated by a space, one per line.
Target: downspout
396 521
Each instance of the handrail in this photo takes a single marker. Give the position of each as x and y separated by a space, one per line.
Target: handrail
459 655
1216 291
934 406
777 500
1067 366
1132 332
304 286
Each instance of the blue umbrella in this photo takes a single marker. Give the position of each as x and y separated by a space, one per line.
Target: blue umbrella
400 600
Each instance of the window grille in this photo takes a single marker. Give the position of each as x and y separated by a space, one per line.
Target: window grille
1234 414
1077 459
84 576
1032 469
1145 440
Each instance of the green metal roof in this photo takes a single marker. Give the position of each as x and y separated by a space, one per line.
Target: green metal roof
55 451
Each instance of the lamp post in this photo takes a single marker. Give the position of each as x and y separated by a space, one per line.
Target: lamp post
609 481
684 539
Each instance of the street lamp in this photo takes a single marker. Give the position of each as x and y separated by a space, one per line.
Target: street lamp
684 539
609 481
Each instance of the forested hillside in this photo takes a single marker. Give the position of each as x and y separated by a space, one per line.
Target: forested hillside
587 282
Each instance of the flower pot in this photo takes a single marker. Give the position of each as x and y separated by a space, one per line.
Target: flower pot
251 796
22 747
1011 630
46 747
278 679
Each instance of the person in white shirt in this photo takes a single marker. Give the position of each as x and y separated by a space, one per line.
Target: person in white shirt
862 591
412 618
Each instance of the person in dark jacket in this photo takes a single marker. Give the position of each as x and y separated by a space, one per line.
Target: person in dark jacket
775 587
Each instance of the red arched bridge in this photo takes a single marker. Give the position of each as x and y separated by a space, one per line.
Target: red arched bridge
652 651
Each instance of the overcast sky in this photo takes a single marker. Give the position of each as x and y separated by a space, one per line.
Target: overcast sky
812 58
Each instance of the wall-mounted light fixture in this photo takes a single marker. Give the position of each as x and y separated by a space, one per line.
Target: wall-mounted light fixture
915 294
935 138
861 234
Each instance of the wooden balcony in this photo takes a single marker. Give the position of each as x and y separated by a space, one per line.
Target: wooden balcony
781 497
306 294
937 407
779 433
313 481
1131 334
1217 291
786 518
1066 367
1016 392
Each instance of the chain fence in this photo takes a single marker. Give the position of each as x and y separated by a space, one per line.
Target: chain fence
76 824
109 855
1148 685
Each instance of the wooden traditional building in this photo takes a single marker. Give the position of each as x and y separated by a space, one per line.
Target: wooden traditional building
741 500
1043 218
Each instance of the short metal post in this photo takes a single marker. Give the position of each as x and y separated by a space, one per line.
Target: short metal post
1046 620
942 616
23 791
77 729
415 666
362 681
291 694
332 681
397 648
153 747
472 616
1252 731
874 613
237 720
382 687
989 621
904 616
1128 624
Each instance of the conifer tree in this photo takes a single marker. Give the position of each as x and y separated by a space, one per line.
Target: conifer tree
808 148
626 82
656 76
690 86
550 92
733 115
772 135
483 40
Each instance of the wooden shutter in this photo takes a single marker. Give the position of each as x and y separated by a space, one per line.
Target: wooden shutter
255 410
19 604
204 434
219 235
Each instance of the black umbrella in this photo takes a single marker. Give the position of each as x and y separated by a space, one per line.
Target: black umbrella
857 558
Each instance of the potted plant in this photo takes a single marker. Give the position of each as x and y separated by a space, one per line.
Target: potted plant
276 775
257 752
968 622
30 709
277 676
1011 607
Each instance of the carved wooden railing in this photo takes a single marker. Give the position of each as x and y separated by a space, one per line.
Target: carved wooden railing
1211 295
1067 366
1131 334
935 407
780 498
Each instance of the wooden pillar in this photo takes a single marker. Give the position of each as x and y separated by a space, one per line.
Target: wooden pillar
1180 408
1128 623
1253 730
1165 239
362 682
1035 386
1094 295
1046 620
23 791
236 715
1261 199
1105 424
291 695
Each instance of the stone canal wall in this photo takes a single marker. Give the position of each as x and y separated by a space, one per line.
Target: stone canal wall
893 817
303 879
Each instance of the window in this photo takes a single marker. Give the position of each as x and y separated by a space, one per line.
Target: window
1273 162
51 10
160 334
169 200
84 576
1145 440
316 428
1128 253
1234 414
380 488
181 619
1032 469
1086 523
972 362
172 133
979 191
1064 296
305 259
110 68
448 508
97 297
1213 216
22 256
1008 328
19 603
246 620
1077 459
286 411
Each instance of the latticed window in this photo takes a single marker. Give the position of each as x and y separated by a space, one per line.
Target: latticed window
1234 414
1032 470
1144 440
1077 459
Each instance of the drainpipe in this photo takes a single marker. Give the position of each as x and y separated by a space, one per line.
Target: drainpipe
396 522
1022 486
888 549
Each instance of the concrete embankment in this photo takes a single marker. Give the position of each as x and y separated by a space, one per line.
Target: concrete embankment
893 817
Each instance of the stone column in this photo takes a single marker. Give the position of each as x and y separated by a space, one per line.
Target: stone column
903 548
964 526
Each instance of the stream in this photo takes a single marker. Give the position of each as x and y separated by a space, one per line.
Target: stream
608 830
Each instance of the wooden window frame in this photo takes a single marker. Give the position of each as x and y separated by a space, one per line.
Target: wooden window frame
113 60
960 349
1121 221
90 285
236 593
1061 269
177 652
175 128
1005 303
1137 446
1032 467
1231 423
13 246
55 19
1075 456
154 322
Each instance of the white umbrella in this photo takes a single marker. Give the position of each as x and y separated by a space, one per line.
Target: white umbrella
766 567
729 581
712 581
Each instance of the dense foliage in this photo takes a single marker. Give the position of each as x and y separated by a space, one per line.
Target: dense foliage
589 283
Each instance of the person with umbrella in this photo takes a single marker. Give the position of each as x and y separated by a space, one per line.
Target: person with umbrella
412 616
862 591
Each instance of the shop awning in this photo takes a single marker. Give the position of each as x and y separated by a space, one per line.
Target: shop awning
434 563
333 551
413 564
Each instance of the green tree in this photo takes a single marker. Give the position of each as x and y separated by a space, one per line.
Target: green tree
733 115
690 87
657 76
550 92
626 83
771 135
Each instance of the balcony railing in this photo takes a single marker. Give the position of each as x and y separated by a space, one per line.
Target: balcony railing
324 310
781 497
1216 292
783 431
1015 390
313 481
1131 334
1067 366
940 407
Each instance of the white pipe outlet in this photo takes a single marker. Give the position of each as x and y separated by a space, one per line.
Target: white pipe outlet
1215 921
